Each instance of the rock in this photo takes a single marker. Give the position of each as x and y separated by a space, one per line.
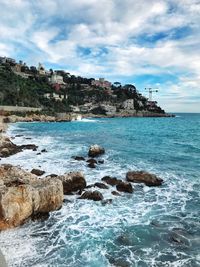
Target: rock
78 158
7 147
40 216
101 161
37 172
101 185
106 201
72 182
93 161
29 146
124 187
43 150
19 135
115 193
23 195
92 195
143 177
52 175
95 150
91 165
38 153
111 180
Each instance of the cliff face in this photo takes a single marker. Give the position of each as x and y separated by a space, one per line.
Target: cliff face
23 195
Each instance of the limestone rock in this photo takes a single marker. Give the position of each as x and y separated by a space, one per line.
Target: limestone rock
143 177
72 182
23 195
95 150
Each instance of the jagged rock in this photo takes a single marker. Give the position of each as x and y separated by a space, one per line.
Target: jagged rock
95 150
37 172
115 193
78 158
124 187
101 185
93 161
92 195
72 182
23 195
143 177
111 180
7 147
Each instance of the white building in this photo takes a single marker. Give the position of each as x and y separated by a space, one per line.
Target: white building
55 78
128 104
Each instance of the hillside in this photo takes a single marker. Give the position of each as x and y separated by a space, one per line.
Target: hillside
59 91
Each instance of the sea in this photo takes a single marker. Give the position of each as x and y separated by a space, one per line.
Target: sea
153 227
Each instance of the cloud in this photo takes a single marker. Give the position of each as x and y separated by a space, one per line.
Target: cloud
123 40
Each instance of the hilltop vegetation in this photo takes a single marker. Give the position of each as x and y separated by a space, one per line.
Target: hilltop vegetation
29 88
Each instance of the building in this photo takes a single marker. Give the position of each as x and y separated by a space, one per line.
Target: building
56 79
41 69
128 104
54 96
102 83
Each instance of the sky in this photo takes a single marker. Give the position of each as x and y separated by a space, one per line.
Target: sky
148 43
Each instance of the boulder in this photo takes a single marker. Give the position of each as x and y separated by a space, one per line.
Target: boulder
92 195
7 147
143 177
37 172
101 185
95 150
111 180
93 161
23 195
72 182
124 187
115 193
29 146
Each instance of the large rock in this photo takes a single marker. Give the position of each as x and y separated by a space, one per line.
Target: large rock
95 150
37 172
111 180
7 147
92 195
124 187
23 195
72 182
143 177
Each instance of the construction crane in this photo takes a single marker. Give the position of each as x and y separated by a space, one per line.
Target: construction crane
151 90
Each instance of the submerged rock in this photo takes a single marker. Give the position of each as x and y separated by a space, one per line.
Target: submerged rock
93 161
37 172
72 182
115 193
95 150
92 195
29 146
111 180
101 185
91 165
143 177
124 187
79 158
23 195
43 150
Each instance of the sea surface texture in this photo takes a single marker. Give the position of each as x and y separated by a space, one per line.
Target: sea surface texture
154 226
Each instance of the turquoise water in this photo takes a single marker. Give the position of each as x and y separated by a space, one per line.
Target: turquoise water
151 227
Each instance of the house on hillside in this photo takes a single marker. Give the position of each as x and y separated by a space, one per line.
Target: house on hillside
102 83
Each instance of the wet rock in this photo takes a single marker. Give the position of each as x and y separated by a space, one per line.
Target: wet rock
52 175
8 148
19 135
101 185
124 187
91 165
95 150
101 161
43 151
143 177
29 146
106 201
37 172
111 180
115 193
93 161
92 195
78 158
38 153
72 182
40 216
23 195
180 236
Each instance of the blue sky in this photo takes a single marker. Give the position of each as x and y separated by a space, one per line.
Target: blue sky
150 43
